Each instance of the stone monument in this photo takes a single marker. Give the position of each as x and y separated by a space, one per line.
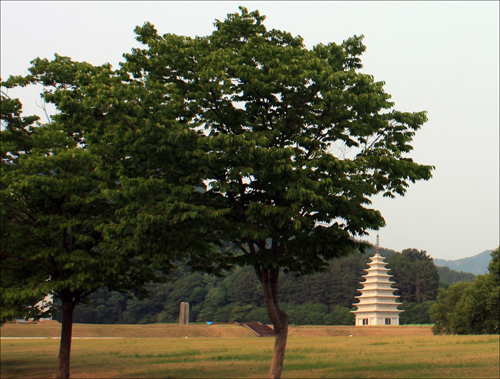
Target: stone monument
184 314
377 303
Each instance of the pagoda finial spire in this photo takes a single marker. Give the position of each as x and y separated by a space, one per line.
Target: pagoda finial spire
378 243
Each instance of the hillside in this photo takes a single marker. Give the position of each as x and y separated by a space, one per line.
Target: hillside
450 276
52 329
477 265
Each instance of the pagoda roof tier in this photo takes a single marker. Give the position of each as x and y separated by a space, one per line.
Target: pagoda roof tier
375 310
377 287
377 281
382 290
378 258
384 299
378 310
370 296
384 305
377 306
371 275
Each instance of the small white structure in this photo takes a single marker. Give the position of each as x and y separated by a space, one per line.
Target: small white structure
377 303
45 305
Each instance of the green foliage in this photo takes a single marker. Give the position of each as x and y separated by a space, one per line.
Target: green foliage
238 297
478 310
56 217
416 313
494 266
272 110
272 113
450 276
51 213
416 275
470 308
336 286
443 311
195 141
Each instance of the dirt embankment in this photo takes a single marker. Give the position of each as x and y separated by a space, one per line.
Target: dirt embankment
53 329
325 331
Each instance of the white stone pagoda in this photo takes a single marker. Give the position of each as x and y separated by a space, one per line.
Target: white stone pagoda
377 303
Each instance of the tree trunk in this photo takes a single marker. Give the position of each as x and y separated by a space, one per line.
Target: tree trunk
279 348
66 332
269 280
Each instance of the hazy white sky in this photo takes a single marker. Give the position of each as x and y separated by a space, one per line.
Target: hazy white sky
442 57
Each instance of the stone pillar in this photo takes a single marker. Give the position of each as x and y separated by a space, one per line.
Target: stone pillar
184 314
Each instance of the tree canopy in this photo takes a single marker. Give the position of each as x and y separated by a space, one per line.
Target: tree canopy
470 308
247 138
52 215
416 274
73 216
449 276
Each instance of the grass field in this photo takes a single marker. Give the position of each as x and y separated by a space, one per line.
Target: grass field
334 355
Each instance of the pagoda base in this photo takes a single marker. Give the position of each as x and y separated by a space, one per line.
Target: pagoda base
379 321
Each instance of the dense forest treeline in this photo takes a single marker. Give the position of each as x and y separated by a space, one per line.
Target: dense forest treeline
448 276
470 307
323 299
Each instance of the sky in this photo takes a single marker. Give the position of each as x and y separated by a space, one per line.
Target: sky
442 57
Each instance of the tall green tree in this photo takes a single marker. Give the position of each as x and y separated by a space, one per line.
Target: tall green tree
416 275
478 310
449 276
416 313
51 211
295 142
443 311
82 209
470 308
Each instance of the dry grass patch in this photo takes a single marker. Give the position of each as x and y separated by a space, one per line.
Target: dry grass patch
307 357
52 329
396 357
322 331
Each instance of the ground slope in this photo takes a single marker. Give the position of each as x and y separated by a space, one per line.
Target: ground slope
53 329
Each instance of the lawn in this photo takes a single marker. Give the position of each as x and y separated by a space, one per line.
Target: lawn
340 356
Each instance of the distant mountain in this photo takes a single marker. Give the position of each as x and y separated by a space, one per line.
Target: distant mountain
478 264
